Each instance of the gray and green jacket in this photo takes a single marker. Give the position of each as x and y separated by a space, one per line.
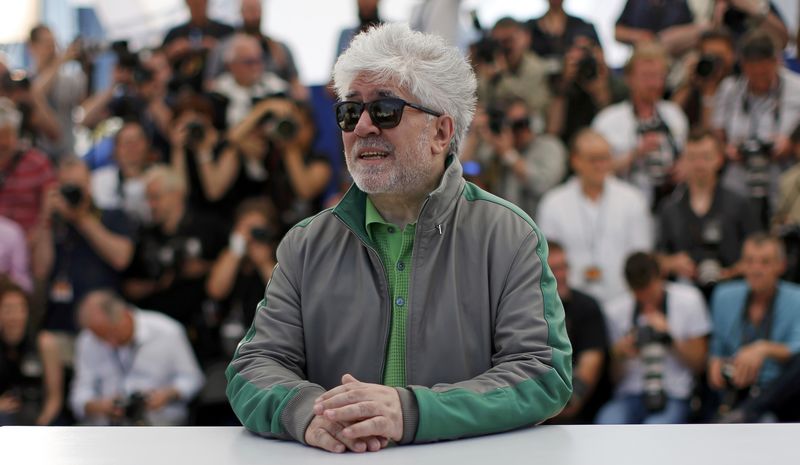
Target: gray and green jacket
486 344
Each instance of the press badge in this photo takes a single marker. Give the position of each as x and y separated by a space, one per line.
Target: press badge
593 274
712 232
61 291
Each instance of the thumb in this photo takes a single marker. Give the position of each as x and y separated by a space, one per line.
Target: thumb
348 378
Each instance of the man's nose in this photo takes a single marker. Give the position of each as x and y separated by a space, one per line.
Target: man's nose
365 126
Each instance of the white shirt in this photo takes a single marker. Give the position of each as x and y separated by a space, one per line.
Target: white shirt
598 234
687 317
757 118
159 357
131 198
618 125
240 99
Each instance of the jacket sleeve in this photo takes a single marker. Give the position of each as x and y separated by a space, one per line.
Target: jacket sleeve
531 375
267 386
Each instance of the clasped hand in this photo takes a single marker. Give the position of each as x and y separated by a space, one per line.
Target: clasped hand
356 416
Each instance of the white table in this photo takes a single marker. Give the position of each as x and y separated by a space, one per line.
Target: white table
546 445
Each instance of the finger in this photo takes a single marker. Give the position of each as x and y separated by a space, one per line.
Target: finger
375 426
324 440
340 400
373 444
384 442
354 412
336 391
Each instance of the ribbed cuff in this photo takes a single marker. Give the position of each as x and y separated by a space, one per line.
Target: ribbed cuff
410 409
299 412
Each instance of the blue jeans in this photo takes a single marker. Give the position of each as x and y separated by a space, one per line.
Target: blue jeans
628 409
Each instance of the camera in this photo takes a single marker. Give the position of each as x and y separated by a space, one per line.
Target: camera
196 133
486 49
496 118
278 127
707 65
756 157
653 346
656 163
134 409
262 235
587 67
72 193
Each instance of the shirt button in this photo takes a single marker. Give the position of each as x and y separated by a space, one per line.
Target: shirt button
400 301
401 266
390 229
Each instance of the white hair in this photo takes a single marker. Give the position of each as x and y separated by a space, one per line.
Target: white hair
9 115
237 43
435 73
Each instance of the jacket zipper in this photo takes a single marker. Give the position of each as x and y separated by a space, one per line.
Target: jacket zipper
388 299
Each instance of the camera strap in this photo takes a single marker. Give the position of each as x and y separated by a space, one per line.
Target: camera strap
660 126
748 108
751 333
9 170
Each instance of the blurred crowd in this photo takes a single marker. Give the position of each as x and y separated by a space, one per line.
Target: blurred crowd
669 191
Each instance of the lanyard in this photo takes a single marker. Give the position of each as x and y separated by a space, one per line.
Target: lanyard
752 333
125 368
593 231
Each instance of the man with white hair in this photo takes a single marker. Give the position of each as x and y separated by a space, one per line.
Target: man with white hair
420 308
246 80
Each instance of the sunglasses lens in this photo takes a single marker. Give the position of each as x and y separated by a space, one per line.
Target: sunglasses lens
386 113
347 115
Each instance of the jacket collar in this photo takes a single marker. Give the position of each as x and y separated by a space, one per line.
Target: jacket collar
437 206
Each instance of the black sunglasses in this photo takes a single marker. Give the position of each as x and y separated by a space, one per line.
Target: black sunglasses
385 113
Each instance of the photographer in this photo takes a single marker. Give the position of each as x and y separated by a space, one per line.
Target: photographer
138 93
754 115
122 186
526 164
132 367
506 68
175 253
270 153
554 32
714 60
646 132
583 89
59 78
702 225
241 272
246 79
659 344
25 173
756 335
188 45
79 247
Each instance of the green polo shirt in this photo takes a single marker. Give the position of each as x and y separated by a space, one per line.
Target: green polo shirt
394 247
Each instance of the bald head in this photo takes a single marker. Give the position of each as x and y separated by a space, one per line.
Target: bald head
105 314
591 157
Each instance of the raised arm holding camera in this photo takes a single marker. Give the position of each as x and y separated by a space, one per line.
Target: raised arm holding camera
79 247
270 152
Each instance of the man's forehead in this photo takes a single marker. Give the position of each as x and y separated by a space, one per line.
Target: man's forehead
368 88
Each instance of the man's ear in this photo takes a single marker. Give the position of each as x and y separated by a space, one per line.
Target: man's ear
445 130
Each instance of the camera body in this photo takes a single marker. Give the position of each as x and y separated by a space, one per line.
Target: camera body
72 193
756 158
195 133
656 163
707 65
653 347
262 235
278 127
587 66
134 409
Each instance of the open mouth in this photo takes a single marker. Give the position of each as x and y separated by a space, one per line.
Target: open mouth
373 155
